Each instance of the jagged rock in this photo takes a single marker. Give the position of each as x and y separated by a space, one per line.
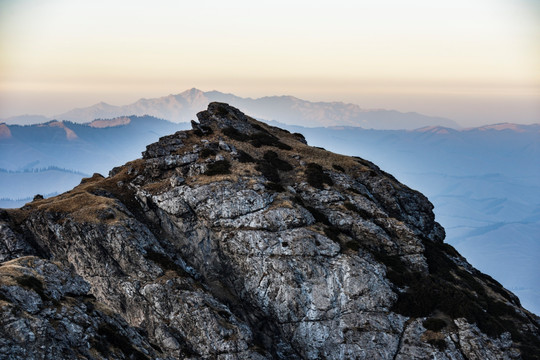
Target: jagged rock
46 313
166 146
223 116
236 240
12 245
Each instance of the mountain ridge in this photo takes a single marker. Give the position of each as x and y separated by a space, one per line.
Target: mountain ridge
237 240
182 107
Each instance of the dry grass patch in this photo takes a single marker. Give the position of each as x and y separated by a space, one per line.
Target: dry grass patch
18 273
435 339
281 202
81 203
94 178
9 274
22 263
205 180
157 187
84 207
327 160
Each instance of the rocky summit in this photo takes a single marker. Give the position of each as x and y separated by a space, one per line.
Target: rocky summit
237 240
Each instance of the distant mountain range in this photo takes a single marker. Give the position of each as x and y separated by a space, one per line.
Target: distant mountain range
288 109
25 120
93 147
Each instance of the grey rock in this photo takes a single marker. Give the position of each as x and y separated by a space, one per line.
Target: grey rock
224 146
71 325
12 245
166 146
177 180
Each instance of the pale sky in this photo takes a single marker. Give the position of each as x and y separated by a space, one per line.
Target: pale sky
474 61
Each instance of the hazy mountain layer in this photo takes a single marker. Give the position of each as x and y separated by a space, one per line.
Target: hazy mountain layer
25 120
288 109
93 147
19 187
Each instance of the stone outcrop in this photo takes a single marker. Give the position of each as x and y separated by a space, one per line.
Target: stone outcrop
46 311
236 240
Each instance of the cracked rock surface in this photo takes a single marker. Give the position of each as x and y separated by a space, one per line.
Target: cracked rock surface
236 240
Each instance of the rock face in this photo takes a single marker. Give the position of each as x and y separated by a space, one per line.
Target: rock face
236 240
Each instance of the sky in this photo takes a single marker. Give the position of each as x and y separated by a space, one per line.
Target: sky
474 61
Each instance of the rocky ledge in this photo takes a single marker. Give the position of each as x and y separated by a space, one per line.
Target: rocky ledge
237 240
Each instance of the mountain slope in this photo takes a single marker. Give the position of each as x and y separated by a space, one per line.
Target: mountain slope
483 183
237 240
288 109
477 200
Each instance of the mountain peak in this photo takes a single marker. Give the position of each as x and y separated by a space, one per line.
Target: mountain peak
223 115
5 133
191 95
70 134
237 239
441 130
192 91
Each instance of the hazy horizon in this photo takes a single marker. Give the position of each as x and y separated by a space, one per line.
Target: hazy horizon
476 62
